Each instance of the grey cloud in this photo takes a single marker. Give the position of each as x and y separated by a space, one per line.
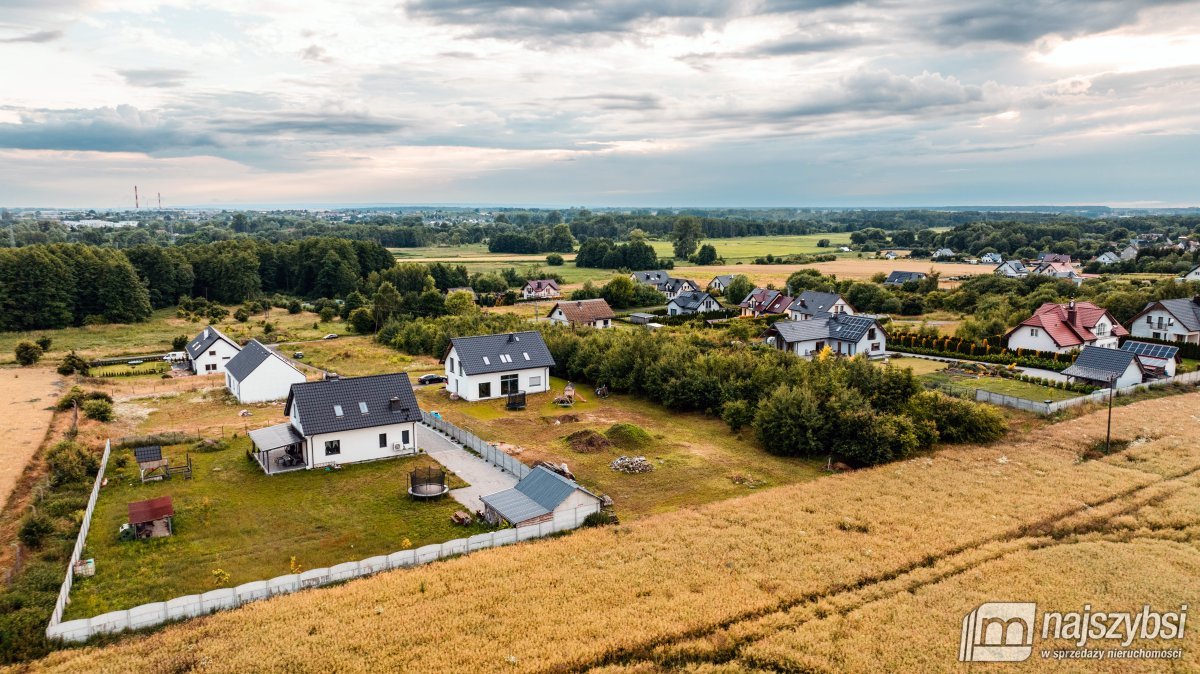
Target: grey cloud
120 129
618 101
804 45
1025 21
314 124
314 53
154 77
37 37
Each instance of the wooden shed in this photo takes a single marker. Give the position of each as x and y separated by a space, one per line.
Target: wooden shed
152 518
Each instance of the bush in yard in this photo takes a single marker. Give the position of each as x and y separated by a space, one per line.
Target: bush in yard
99 410
599 518
72 363
44 342
70 462
28 353
738 414
327 314
958 420
788 422
77 395
241 315
34 530
362 321
554 260
179 342
294 307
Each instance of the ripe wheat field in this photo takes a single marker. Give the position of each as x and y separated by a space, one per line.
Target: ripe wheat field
865 571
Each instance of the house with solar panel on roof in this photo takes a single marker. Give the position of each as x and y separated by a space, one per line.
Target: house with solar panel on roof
338 421
483 367
257 374
210 351
1107 368
536 498
844 334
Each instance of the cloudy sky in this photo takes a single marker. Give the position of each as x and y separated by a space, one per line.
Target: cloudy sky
580 102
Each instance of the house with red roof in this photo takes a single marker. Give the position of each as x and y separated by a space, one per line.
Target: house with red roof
1066 327
765 302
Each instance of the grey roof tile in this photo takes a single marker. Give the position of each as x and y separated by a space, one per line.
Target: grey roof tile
811 302
315 400
248 359
840 327
205 339
1098 363
480 354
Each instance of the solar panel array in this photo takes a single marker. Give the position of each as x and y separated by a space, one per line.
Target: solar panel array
148 454
1148 350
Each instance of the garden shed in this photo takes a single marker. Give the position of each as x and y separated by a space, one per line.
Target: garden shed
152 518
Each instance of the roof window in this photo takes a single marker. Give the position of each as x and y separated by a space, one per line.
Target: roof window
337 410
362 407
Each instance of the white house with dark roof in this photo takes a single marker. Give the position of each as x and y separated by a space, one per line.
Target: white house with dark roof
1103 367
1193 275
1011 269
1170 320
491 366
257 374
844 334
210 351
664 283
339 421
720 283
692 303
536 498
1158 360
812 304
899 278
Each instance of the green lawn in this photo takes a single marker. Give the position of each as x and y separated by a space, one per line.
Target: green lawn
1012 387
233 517
152 367
747 248
696 458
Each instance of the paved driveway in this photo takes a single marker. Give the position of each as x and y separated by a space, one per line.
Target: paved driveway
483 477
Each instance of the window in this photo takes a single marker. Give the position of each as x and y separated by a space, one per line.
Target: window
333 447
1033 332
535 382
211 367
404 438
383 439
526 354
460 368
871 333
362 408
508 384
213 352
451 364
485 389
487 361
1149 320
819 347
337 410
874 346
505 358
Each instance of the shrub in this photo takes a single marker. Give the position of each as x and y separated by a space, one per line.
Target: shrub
738 414
28 353
241 315
294 307
554 260
179 342
44 342
70 462
958 420
362 321
628 436
34 530
599 518
71 364
77 395
327 314
99 410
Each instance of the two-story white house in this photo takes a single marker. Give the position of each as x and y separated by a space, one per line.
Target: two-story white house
692 303
257 374
812 304
491 366
1061 328
1169 320
844 334
541 289
210 351
338 421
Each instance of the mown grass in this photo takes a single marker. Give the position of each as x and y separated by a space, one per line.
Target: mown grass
613 596
357 356
232 517
1012 387
696 458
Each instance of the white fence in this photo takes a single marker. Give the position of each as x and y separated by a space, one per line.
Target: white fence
64 593
1048 407
190 606
486 450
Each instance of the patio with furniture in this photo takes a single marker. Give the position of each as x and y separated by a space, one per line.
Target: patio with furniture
278 449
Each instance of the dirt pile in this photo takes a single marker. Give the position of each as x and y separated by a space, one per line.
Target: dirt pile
628 436
587 441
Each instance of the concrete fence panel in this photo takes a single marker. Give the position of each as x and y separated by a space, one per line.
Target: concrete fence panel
527 532
217 600
114 621
402 559
480 542
148 615
183 607
252 591
343 571
457 546
372 565
428 553
284 584
315 577
72 630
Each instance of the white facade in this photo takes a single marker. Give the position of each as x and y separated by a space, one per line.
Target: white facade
709 304
1036 339
494 384
359 444
214 357
1193 275
840 307
1160 324
271 380
873 343
557 316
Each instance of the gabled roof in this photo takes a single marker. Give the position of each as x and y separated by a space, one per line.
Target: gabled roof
537 494
654 277
1186 311
674 285
1054 257
1098 363
539 285
812 303
1050 268
765 301
505 352
1017 266
1108 258
692 299
1053 318
723 279
205 339
584 311
943 252
843 327
901 277
249 358
318 403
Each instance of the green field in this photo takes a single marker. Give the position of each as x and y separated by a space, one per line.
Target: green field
1012 387
151 367
233 517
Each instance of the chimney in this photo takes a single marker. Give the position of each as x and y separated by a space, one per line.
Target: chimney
511 338
394 404
1071 312
331 376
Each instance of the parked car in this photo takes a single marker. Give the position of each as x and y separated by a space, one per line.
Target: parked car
427 379
299 355
330 336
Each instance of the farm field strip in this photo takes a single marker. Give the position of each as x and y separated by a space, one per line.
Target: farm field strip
27 398
672 577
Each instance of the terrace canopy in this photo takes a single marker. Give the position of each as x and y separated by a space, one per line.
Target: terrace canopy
278 448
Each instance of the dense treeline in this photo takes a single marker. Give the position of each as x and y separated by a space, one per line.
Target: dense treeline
68 284
852 409
604 253
1078 237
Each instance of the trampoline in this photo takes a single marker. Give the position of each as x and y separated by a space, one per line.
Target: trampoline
427 483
